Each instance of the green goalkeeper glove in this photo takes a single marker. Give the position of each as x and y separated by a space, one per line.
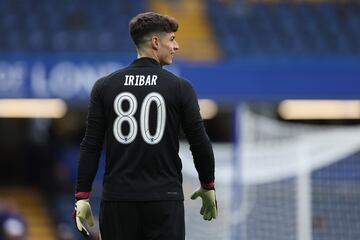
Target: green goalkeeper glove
83 215
209 204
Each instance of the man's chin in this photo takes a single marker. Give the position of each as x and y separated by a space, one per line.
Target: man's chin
170 60
167 62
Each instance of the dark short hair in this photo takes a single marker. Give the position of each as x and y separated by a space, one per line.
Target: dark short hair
145 23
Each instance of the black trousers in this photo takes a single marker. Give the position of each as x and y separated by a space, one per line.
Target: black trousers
159 220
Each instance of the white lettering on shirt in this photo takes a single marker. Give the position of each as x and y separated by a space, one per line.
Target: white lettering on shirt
140 80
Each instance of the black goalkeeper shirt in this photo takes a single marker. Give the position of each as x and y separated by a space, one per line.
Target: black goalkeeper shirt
139 111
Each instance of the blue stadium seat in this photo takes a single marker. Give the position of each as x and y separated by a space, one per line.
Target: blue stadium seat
15 41
105 41
83 41
37 40
61 41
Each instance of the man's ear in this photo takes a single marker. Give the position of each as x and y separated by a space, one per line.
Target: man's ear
155 42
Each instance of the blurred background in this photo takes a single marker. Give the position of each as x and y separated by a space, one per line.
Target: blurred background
278 83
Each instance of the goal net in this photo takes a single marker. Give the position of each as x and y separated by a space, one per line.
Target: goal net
296 181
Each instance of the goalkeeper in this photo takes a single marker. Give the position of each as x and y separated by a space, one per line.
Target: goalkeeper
139 111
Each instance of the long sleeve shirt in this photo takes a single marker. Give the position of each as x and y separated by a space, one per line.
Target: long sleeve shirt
138 111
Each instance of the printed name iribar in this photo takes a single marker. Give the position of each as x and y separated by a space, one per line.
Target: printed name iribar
140 80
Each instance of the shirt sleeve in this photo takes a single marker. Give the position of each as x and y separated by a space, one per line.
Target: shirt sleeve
91 145
196 135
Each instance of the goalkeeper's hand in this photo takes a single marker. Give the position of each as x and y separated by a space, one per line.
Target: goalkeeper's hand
209 204
82 215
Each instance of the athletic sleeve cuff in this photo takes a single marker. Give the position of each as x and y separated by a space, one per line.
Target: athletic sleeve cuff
82 195
208 185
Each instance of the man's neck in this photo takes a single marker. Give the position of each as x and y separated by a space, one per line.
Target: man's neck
148 54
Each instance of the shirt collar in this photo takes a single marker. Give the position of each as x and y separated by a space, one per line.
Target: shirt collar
145 62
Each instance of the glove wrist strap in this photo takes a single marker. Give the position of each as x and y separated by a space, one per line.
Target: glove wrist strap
82 195
208 185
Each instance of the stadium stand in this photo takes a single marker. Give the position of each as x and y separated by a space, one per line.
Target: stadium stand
286 28
53 26
242 28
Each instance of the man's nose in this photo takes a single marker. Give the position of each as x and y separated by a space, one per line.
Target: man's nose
176 47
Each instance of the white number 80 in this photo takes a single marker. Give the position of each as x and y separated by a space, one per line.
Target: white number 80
128 116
